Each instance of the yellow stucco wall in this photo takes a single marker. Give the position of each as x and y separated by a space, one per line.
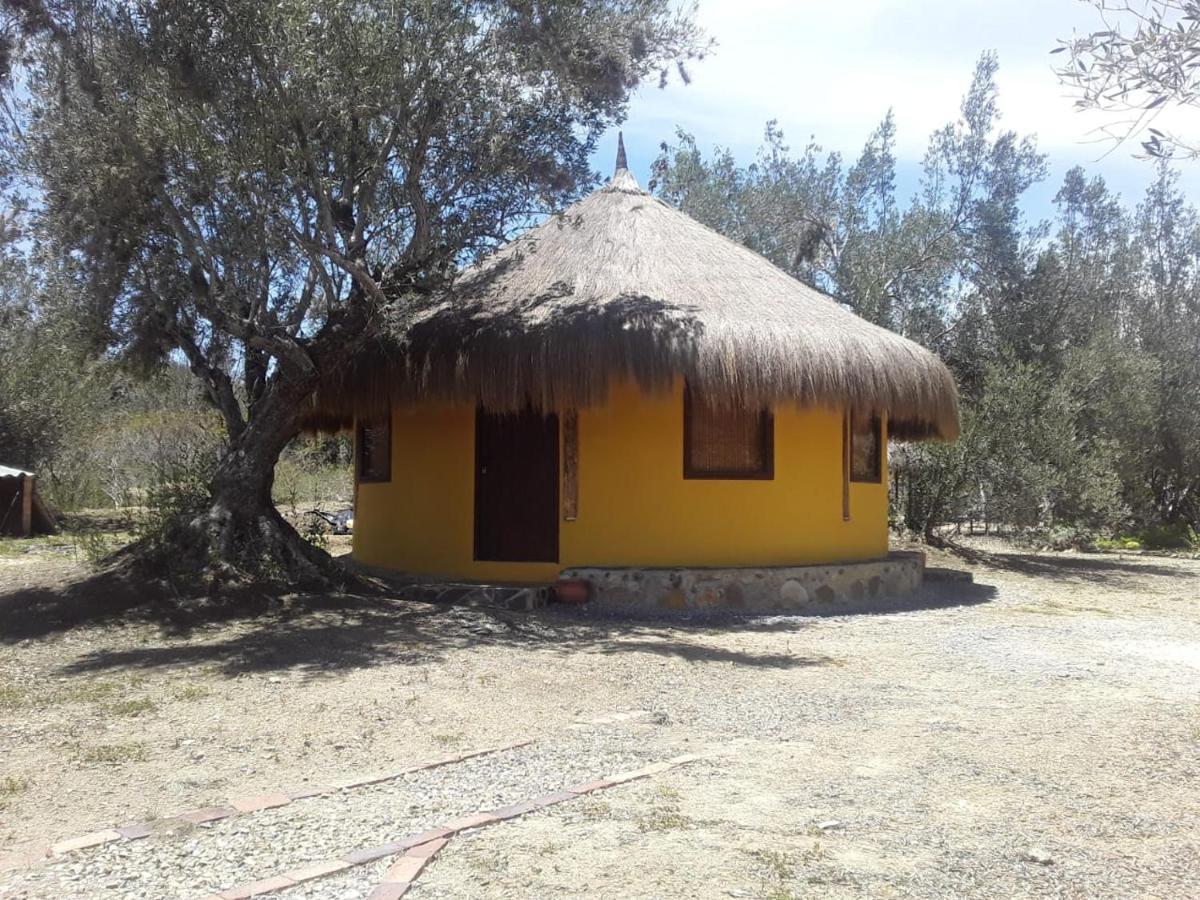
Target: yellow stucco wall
635 507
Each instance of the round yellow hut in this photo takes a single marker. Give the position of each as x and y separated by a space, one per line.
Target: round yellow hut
626 396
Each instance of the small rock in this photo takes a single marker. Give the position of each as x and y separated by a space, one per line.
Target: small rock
829 825
1039 856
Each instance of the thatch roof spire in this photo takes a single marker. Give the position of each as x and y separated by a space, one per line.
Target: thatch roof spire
622 163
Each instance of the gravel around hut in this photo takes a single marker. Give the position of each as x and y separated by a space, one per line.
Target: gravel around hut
1036 733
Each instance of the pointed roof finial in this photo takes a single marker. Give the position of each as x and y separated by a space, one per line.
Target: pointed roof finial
622 163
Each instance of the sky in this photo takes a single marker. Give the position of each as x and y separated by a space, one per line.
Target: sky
830 70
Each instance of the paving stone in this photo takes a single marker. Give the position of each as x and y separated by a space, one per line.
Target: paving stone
406 869
370 854
94 839
354 781
389 891
263 886
548 800
208 814
262 801
427 850
305 793
587 787
135 831
635 774
516 809
424 837
475 820
317 870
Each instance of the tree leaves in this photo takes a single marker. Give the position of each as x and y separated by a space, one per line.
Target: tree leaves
1138 69
1077 349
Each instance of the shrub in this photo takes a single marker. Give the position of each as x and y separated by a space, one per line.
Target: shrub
178 492
1178 536
1072 537
1118 543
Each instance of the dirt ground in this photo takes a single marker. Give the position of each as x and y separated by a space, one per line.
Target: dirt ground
1036 733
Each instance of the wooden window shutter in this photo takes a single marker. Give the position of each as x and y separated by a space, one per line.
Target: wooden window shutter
866 450
375 450
726 442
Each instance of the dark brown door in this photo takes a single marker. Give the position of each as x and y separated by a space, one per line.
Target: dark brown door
516 487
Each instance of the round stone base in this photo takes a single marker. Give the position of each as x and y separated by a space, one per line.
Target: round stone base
765 589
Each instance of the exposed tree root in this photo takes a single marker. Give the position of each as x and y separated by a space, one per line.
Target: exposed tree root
222 548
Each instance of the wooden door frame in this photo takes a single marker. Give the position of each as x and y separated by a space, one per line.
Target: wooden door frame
554 507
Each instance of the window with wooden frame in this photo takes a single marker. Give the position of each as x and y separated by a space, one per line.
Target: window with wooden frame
375 450
726 442
866 449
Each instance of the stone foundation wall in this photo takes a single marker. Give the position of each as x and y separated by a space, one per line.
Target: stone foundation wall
776 589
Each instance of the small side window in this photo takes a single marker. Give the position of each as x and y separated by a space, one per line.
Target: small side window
375 450
866 450
726 442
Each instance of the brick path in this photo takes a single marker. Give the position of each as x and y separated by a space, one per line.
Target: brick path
238 806
412 853
418 849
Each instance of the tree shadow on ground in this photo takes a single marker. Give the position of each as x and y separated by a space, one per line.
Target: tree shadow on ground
1121 573
369 632
44 610
115 597
330 632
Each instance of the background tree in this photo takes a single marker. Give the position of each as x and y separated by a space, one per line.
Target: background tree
253 188
1074 341
1143 60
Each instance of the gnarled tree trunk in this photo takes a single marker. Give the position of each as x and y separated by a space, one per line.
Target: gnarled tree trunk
237 535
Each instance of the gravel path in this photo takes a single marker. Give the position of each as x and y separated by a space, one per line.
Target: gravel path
217 856
1036 734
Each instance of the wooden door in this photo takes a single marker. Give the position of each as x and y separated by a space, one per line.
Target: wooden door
516 487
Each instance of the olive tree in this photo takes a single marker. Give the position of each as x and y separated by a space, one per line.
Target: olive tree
1143 59
254 187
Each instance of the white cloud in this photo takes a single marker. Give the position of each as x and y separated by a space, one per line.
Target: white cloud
832 69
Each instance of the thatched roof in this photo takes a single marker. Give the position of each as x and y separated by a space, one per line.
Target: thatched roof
623 286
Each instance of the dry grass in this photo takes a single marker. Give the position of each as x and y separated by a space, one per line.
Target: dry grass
11 786
12 698
133 707
591 807
664 813
663 819
191 692
109 754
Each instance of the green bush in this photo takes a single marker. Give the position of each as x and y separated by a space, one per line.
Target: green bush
1071 537
1178 536
1118 543
95 545
178 491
